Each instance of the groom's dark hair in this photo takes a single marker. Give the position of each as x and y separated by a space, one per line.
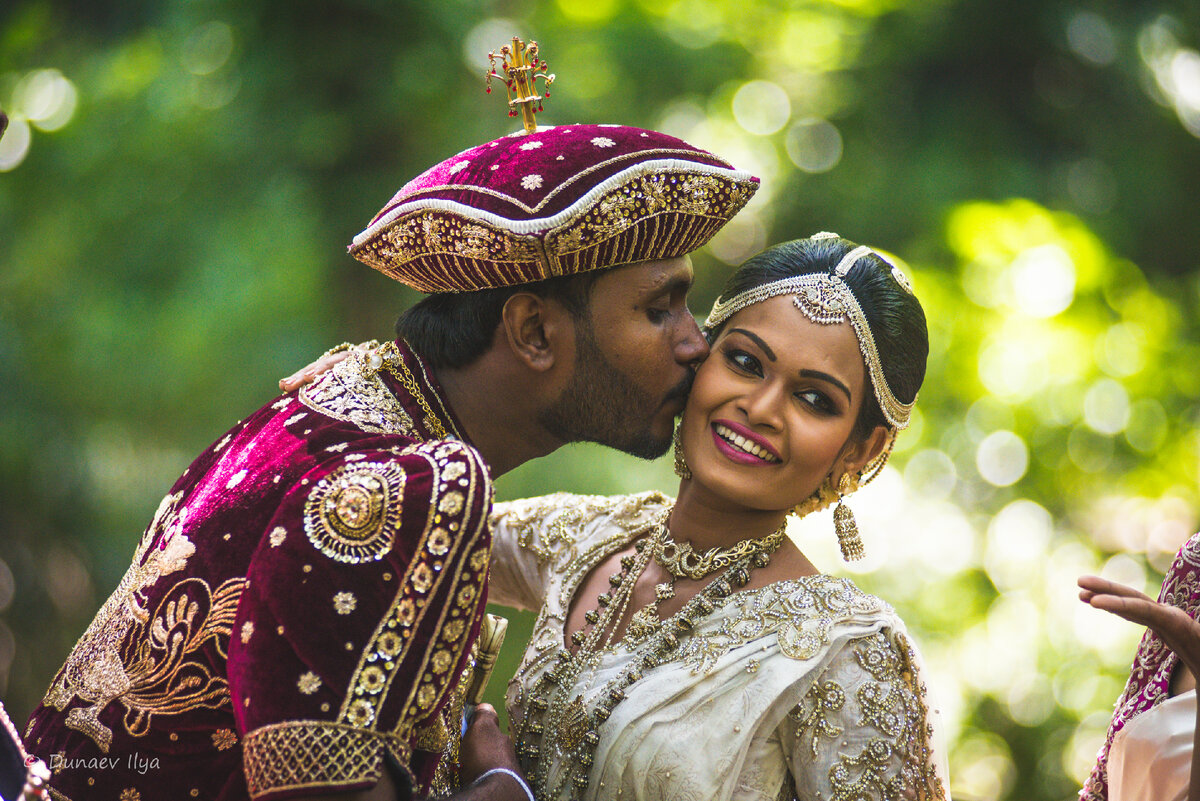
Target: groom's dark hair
453 329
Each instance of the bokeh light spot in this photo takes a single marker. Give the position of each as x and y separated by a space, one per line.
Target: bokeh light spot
1121 352
1002 458
931 474
1091 38
1147 428
208 48
1106 407
761 107
489 35
14 145
742 237
814 145
45 98
1043 281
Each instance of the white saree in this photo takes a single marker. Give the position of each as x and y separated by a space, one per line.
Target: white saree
803 689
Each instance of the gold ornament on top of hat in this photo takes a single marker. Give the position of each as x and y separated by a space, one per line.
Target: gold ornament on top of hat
519 67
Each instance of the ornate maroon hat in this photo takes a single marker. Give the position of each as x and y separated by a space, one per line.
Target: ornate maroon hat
553 201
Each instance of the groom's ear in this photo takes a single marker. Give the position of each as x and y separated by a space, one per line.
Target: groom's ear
538 330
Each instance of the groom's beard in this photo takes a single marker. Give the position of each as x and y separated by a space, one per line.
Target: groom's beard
601 404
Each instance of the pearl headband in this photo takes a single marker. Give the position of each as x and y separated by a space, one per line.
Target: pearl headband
825 298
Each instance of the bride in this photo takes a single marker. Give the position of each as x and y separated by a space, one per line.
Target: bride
685 648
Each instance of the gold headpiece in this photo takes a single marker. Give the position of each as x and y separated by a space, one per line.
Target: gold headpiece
519 65
826 299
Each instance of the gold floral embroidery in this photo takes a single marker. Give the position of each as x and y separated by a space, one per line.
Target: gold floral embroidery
439 542
130 794
352 393
305 754
224 739
451 503
813 713
386 651
352 514
143 659
550 526
309 683
801 613
247 631
360 713
344 603
899 763
277 536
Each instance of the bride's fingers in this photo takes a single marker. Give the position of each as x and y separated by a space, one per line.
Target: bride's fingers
1101 586
314 370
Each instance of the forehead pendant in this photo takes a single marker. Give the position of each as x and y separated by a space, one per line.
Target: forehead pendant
821 301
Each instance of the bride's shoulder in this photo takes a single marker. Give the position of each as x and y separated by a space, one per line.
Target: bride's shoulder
813 609
566 509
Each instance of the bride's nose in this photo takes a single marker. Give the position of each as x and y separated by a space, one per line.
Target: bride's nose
763 405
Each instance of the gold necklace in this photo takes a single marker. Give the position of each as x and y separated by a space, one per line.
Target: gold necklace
387 357
682 561
554 728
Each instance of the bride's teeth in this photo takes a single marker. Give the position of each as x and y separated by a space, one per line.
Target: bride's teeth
744 444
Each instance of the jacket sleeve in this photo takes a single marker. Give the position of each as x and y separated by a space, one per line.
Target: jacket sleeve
363 599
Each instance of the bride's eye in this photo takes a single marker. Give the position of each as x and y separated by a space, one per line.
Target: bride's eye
818 400
743 361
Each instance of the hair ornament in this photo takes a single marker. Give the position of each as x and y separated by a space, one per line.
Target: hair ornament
826 299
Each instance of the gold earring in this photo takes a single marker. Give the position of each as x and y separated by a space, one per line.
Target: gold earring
681 466
843 523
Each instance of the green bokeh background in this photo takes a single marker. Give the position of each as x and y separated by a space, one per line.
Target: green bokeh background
182 176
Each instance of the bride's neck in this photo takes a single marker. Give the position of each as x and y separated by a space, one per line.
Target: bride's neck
706 521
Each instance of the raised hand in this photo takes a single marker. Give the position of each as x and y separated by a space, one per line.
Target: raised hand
318 368
1177 629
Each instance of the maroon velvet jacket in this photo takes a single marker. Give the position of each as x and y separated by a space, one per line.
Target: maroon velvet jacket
301 607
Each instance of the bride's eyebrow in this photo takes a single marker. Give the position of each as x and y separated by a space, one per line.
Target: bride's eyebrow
757 340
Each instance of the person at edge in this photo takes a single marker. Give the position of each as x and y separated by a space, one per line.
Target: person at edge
300 612
685 648
1150 753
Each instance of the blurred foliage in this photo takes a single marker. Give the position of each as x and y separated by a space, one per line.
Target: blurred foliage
181 175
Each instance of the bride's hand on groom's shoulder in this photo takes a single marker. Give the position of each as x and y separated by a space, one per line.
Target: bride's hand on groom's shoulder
326 362
1176 628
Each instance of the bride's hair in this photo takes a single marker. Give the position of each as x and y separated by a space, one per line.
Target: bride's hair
894 314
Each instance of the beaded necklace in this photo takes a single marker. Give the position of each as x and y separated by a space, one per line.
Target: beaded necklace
557 724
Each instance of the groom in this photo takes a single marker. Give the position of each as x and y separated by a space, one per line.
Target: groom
300 612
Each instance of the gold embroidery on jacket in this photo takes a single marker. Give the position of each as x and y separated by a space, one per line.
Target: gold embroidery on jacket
352 514
142 659
439 562
352 393
311 753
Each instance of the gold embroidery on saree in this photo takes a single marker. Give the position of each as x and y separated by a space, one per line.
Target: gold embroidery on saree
802 613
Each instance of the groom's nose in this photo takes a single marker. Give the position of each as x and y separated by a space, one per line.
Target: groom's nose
690 346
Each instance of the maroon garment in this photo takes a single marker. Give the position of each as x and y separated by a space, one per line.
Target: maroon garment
301 607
